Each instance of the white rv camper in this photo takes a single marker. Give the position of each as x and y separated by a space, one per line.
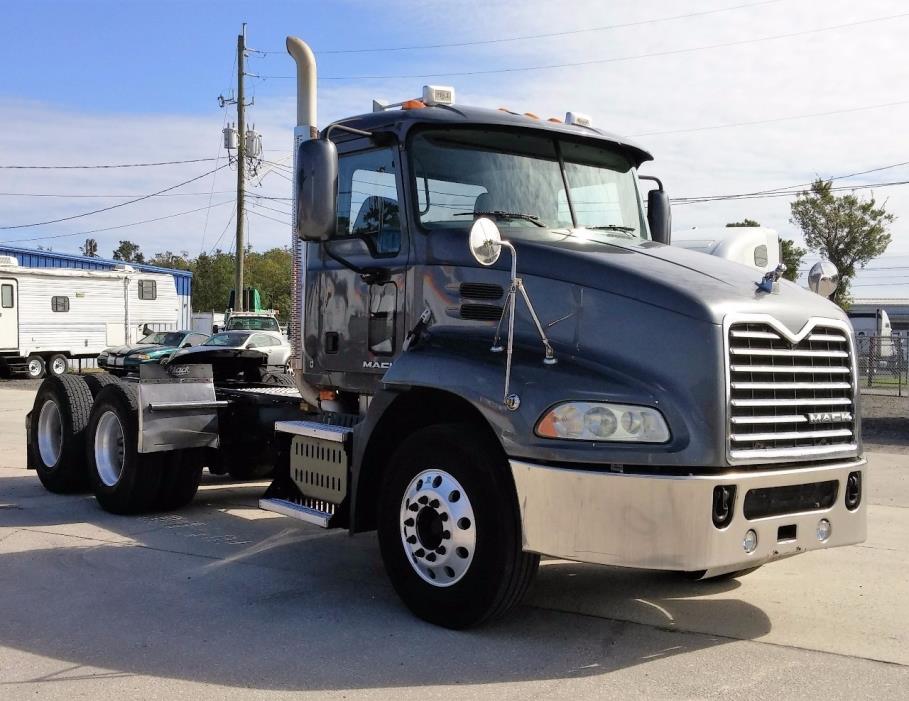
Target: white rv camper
755 246
50 315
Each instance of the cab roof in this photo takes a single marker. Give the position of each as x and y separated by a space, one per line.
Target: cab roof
400 121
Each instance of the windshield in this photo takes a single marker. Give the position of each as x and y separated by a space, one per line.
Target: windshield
253 323
517 180
229 340
162 338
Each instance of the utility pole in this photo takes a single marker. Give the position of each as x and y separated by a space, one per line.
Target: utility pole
241 170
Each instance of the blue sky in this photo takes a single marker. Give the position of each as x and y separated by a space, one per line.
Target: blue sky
99 81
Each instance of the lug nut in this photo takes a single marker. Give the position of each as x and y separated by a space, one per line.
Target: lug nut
420 552
434 503
446 535
412 539
431 557
441 550
409 523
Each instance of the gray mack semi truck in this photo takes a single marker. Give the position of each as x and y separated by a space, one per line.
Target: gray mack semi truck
498 356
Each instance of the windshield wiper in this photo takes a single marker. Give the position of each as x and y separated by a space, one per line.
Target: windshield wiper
500 214
615 227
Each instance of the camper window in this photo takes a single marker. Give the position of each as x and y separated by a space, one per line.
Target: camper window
6 296
60 304
148 289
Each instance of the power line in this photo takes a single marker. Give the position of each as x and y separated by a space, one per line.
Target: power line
113 206
102 197
800 185
265 216
112 228
224 231
109 165
616 59
772 120
548 35
792 193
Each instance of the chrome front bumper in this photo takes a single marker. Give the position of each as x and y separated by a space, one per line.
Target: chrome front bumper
665 522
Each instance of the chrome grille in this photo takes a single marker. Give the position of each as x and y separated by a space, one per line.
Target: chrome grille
789 400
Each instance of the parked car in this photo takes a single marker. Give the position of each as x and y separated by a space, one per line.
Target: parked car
274 346
153 348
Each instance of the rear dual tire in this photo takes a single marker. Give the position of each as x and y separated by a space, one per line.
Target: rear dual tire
58 423
124 480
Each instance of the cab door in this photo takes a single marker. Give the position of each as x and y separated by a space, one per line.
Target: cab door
9 314
361 286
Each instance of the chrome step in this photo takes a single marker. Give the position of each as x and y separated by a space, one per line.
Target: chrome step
314 429
297 511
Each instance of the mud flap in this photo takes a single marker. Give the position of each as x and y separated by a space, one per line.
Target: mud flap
177 408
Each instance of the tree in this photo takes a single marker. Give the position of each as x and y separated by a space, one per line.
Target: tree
270 272
129 252
791 256
844 229
89 248
169 259
213 279
744 222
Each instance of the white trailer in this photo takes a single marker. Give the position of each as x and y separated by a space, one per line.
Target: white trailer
51 315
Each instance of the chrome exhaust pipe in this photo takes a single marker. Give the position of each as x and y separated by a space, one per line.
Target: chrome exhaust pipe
305 129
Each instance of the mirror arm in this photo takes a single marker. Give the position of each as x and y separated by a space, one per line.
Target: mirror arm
344 127
652 179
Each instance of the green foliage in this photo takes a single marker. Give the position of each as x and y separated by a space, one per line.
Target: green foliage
168 259
213 277
844 229
89 248
129 252
744 222
791 256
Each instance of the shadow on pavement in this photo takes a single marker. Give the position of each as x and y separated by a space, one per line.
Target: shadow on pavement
280 606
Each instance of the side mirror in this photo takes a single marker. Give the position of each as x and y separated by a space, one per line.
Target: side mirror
823 278
659 215
187 345
214 329
317 189
485 241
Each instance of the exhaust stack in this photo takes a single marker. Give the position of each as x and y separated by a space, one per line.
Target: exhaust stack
305 129
306 85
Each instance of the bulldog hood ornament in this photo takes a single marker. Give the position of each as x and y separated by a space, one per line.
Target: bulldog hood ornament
771 281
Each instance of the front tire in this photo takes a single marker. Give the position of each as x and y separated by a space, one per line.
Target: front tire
449 528
57 433
123 480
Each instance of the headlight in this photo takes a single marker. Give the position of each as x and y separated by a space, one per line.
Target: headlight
141 356
590 421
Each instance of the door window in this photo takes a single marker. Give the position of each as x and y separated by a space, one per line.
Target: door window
60 304
6 296
368 205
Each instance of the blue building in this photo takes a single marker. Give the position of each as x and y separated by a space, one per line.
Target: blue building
28 258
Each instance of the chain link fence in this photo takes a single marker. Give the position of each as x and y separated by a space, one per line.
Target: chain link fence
883 364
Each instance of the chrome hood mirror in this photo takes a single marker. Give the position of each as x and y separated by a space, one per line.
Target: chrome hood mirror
485 241
823 278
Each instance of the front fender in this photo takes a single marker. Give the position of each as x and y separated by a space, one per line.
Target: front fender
470 371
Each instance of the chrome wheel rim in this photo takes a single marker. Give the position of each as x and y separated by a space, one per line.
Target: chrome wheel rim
438 529
34 367
58 366
50 433
109 450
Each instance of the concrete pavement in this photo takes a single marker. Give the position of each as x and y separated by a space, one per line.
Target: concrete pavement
221 600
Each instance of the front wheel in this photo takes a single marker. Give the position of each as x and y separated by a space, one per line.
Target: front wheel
449 528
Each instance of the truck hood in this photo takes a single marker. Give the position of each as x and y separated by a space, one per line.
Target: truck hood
694 284
131 348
